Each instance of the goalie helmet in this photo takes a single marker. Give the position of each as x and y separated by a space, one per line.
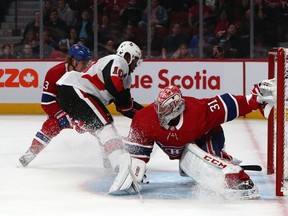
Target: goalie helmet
169 104
131 48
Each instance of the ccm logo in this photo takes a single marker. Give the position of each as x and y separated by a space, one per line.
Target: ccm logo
12 77
215 161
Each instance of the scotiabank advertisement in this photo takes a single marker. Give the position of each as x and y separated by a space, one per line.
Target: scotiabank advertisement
198 79
21 82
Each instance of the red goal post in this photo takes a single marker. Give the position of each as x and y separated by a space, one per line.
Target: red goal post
277 135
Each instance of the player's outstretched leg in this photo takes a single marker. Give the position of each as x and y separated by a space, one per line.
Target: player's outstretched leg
39 142
263 96
50 129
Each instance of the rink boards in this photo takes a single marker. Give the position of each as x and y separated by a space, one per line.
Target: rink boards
21 82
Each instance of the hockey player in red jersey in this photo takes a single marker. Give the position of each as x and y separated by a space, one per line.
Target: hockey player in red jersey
79 57
189 130
86 96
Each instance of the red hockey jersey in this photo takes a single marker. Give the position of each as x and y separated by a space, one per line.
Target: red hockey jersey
198 118
49 101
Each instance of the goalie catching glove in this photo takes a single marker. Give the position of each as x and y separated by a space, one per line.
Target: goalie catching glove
263 96
130 176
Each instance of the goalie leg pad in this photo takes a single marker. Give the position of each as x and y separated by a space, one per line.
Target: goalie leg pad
203 167
124 181
216 174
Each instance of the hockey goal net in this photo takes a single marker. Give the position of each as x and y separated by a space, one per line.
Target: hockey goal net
277 153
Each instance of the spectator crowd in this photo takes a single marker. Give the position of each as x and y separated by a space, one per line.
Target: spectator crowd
174 28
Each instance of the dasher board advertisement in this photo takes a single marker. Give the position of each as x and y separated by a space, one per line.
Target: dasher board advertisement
22 82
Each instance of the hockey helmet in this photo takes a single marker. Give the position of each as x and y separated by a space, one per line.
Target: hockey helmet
169 104
131 48
80 52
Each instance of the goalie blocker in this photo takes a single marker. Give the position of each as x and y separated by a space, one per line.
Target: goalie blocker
130 176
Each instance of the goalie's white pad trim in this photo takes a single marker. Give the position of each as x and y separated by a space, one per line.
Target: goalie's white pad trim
205 168
124 180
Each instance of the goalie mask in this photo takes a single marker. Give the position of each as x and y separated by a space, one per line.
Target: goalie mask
169 104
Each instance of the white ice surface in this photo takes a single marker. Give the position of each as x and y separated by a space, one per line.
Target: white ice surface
68 178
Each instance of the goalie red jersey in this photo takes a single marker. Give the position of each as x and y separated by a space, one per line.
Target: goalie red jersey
189 129
197 119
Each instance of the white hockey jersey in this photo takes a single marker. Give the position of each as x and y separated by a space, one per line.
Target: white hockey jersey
105 79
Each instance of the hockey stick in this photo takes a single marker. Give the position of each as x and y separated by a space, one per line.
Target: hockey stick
135 182
251 167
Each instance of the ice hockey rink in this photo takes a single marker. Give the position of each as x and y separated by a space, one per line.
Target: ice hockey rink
68 178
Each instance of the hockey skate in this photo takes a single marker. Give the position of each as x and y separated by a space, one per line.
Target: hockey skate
265 94
27 158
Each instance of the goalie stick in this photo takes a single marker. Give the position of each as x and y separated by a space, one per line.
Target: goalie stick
135 183
251 167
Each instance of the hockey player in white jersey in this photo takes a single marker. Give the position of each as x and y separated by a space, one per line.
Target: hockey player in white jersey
84 96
